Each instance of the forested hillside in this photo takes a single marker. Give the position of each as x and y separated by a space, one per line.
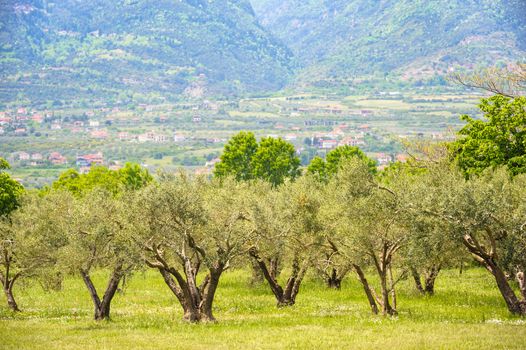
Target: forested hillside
119 48
341 39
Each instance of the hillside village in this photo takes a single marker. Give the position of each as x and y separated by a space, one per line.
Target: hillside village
192 134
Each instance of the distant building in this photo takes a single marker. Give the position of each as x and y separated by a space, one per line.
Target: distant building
123 136
291 137
37 156
90 159
351 141
99 134
197 119
383 159
179 138
94 123
24 156
56 126
57 159
152 137
328 144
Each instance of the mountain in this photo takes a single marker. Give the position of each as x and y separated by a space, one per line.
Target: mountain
117 49
407 39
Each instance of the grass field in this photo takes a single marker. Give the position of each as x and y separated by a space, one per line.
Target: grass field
466 313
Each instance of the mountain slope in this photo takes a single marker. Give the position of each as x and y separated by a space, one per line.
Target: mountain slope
349 38
119 48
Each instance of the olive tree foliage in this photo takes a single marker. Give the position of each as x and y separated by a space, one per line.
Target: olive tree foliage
190 225
288 226
486 214
428 248
99 234
498 140
29 241
364 218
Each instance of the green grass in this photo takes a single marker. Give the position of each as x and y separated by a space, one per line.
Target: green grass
466 313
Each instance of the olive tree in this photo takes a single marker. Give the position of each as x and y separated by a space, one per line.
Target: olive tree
287 223
365 217
99 237
486 214
29 240
189 225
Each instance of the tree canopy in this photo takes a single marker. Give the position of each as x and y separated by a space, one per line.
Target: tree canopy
325 169
10 190
273 160
498 140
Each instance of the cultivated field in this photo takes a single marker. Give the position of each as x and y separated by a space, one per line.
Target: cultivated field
467 312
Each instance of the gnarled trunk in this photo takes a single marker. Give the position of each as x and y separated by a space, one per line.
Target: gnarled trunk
195 300
489 261
366 288
11 302
430 276
418 280
102 307
284 296
334 281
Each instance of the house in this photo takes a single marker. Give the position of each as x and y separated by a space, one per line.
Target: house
383 158
352 141
94 123
20 131
56 126
196 119
78 123
99 134
37 156
90 159
178 138
328 144
2 130
152 137
57 159
123 136
38 118
291 137
24 156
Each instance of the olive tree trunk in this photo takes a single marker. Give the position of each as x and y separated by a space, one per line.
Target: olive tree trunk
102 306
195 300
489 261
285 296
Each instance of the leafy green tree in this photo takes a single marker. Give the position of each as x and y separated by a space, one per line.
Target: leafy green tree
30 239
134 177
275 161
237 157
498 140
10 190
325 169
130 177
